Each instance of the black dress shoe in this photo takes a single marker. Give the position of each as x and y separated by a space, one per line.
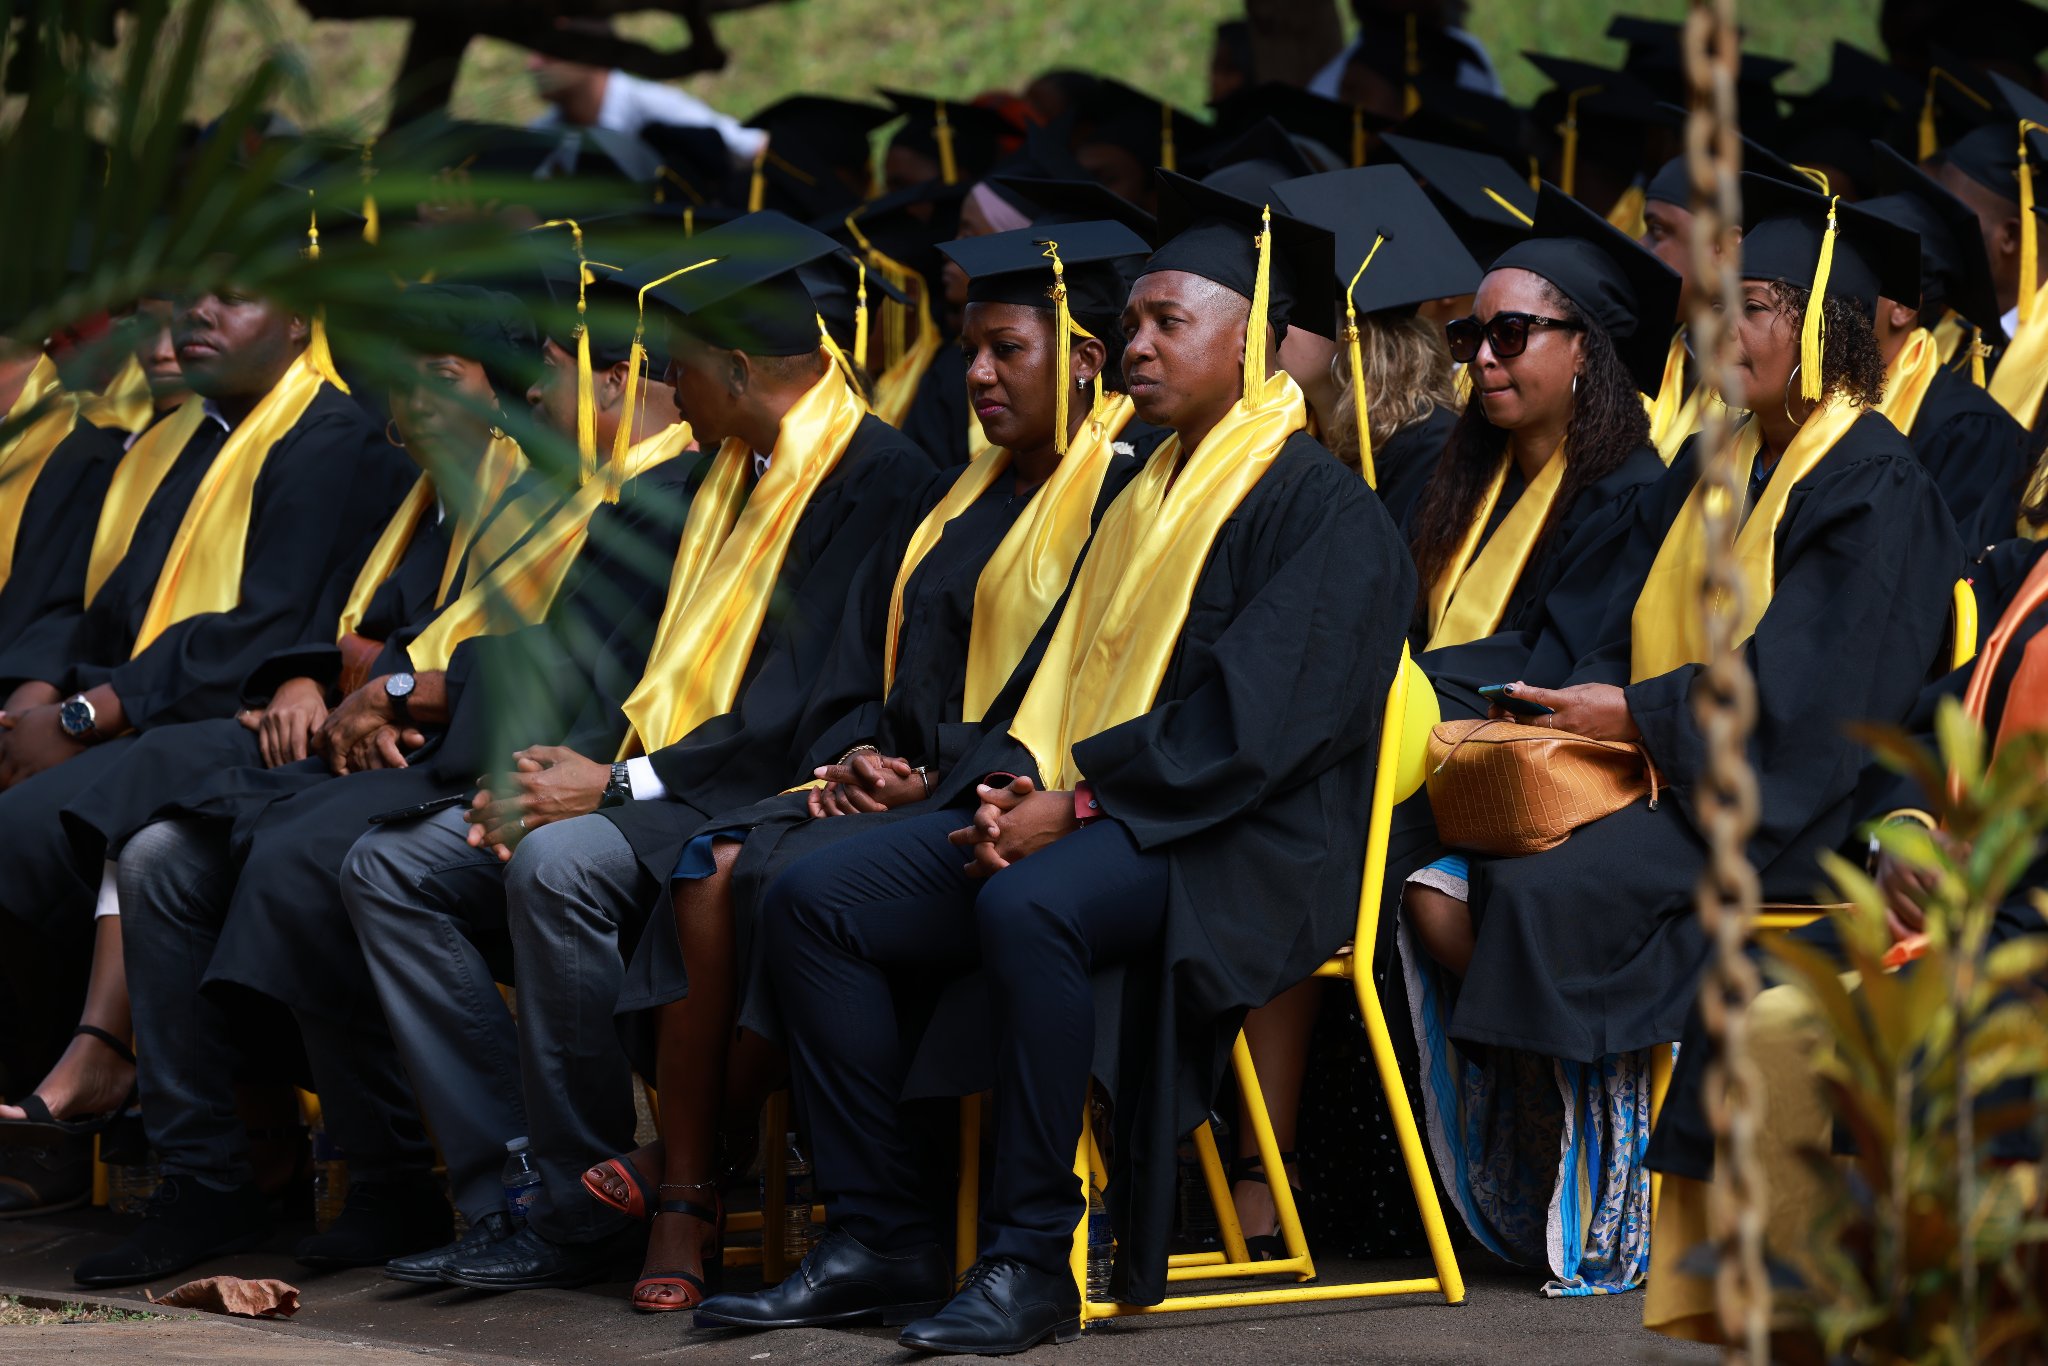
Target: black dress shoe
529 1261
382 1220
842 1281
425 1267
1003 1306
184 1223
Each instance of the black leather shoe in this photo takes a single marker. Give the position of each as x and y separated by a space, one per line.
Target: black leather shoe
425 1267
1003 1306
841 1281
184 1223
382 1220
529 1261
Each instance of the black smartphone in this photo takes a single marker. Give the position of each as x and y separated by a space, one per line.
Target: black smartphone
1498 694
413 813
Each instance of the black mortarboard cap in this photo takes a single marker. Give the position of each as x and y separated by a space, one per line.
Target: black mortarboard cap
1013 267
1656 56
1608 276
607 152
1458 117
1953 268
1995 30
822 131
1072 201
1253 162
692 164
1341 129
834 283
1124 116
1044 156
977 133
907 226
1989 154
1419 259
1672 183
1209 233
744 292
1782 230
489 326
1383 48
1602 91
1489 205
610 327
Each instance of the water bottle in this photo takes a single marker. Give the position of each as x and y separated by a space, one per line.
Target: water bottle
130 1182
520 1178
330 1178
1101 1245
799 1234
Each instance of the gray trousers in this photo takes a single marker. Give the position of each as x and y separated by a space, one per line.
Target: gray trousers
176 881
435 919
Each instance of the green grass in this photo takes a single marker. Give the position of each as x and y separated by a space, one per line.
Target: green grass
958 47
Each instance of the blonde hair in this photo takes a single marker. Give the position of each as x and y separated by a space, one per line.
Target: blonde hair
1407 375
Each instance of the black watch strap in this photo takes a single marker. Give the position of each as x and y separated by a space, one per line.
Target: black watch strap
619 789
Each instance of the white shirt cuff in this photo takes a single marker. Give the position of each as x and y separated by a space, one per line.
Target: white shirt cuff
109 902
646 783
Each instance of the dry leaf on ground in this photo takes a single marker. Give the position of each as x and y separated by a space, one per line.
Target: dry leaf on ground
233 1295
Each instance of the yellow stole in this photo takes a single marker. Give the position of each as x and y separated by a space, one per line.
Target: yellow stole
1908 377
1675 412
519 589
1031 565
2022 373
203 571
135 482
24 454
1950 335
501 462
1468 599
1667 627
896 387
126 404
725 569
1627 213
1109 653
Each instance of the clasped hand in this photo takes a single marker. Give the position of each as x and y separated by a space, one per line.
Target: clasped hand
288 729
548 783
866 781
363 732
1013 822
1598 711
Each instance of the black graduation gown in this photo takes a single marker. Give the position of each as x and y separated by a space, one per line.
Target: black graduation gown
1596 555
1591 948
45 589
1252 771
757 748
920 720
1976 453
1405 460
937 420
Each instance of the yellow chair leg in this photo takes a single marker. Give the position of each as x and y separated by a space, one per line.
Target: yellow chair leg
1213 1174
1419 1178
967 1205
774 1124
102 1177
1661 1064
1254 1098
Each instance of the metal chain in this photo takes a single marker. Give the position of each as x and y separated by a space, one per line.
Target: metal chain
1725 700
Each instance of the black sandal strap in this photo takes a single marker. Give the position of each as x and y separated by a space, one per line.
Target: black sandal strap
689 1207
119 1045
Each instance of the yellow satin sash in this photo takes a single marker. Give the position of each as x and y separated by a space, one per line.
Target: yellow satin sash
125 404
1675 412
1469 598
732 550
1907 379
1950 334
1110 651
203 571
135 482
1031 565
896 387
2022 374
1667 628
26 452
501 462
1627 213
519 589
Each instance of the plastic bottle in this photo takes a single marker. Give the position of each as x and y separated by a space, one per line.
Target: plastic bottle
330 1178
799 1234
131 1182
1101 1245
521 1178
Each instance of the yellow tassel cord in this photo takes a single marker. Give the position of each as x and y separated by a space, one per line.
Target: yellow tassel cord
1255 325
1978 353
1063 355
757 185
839 357
1358 135
1813 333
2030 237
1535 175
895 316
1568 173
586 385
689 222
1166 153
1411 64
1358 400
636 389
1817 176
1930 136
662 173
319 357
1497 197
949 169
371 230
860 310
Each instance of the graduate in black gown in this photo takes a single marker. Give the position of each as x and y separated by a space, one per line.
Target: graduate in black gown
1973 448
945 607
1585 954
1187 805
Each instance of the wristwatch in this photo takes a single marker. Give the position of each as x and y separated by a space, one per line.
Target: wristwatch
79 720
398 687
618 790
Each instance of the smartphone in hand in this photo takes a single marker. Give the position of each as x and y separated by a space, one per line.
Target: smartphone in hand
1498 694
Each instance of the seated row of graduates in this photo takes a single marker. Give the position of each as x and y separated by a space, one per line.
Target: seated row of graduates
821 606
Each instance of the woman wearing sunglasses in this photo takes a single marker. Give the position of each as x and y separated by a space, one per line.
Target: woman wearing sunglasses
1560 971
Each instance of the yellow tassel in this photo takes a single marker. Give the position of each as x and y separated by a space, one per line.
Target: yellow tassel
1063 325
860 310
838 356
2030 238
1411 63
1812 333
1930 137
949 169
1978 351
1358 397
586 384
1166 155
1535 176
1255 325
318 354
371 230
622 440
1497 197
1358 135
757 187
1568 177
689 221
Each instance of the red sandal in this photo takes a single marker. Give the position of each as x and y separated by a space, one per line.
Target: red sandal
640 1193
694 1289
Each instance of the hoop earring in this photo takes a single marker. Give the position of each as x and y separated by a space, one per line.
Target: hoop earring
1575 384
1788 394
391 433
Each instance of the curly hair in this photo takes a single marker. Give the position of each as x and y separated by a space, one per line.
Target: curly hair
1407 376
1607 425
1851 364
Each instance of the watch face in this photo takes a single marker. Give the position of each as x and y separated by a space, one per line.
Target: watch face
399 685
75 716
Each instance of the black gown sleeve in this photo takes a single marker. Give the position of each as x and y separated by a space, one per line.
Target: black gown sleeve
44 598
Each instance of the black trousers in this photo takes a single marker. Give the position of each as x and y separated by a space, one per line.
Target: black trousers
849 925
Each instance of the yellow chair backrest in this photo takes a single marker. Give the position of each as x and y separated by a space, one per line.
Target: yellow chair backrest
1403 763
1964 644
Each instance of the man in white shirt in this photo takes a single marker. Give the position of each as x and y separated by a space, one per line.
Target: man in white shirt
592 97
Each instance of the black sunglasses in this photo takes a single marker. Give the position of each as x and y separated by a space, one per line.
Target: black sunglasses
1506 333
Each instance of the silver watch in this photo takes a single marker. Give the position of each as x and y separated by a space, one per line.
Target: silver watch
78 718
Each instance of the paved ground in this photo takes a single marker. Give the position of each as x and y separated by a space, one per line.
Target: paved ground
363 1319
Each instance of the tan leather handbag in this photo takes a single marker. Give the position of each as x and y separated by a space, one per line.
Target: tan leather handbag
1502 788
